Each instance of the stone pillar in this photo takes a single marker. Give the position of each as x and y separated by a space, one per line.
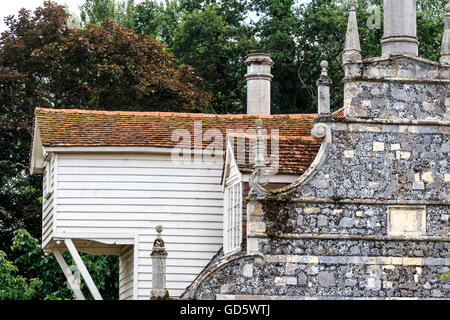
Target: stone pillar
400 28
323 86
159 256
352 49
445 49
258 83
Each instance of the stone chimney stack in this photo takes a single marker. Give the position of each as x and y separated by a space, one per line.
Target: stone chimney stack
400 28
258 83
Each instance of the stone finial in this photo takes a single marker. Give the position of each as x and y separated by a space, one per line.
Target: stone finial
259 177
259 146
258 83
159 255
352 49
445 49
400 28
323 86
158 244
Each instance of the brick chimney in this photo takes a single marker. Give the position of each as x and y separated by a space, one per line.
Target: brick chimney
258 83
400 28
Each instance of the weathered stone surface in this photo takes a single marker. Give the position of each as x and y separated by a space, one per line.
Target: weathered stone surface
326 279
372 219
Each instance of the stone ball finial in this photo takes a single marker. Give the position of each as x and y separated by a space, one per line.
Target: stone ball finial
353 4
324 65
159 229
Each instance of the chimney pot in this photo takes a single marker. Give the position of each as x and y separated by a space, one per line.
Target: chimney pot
258 83
400 28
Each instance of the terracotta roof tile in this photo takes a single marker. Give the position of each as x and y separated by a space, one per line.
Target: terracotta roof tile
339 113
72 127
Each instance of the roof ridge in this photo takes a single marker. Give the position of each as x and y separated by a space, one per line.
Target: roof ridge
173 114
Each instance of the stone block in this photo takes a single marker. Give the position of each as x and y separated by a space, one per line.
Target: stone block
346 223
308 210
378 146
256 227
322 221
406 220
247 270
412 261
291 281
327 279
373 284
427 176
302 279
349 153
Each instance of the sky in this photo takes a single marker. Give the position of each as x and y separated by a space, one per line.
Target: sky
9 7
12 7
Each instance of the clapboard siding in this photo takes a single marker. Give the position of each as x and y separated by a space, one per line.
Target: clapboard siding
48 200
126 273
133 193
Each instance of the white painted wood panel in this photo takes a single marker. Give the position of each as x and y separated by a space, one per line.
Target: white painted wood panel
126 273
132 194
48 202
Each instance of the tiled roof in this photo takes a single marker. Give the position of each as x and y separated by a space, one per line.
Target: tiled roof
295 155
339 113
72 127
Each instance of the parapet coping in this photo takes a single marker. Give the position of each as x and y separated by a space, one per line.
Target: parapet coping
297 236
261 297
437 123
378 202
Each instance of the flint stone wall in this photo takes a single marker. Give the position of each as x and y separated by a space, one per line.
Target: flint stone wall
397 88
375 161
371 219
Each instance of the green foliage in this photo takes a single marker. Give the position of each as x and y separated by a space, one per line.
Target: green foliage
33 275
13 286
446 276
97 11
46 63
214 37
158 20
207 40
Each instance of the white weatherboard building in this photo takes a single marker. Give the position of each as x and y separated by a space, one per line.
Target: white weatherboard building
109 178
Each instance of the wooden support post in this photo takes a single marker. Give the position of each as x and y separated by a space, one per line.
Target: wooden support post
82 268
69 276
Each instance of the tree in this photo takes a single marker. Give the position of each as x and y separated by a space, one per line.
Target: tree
33 275
13 286
299 37
46 63
158 20
112 68
97 11
216 47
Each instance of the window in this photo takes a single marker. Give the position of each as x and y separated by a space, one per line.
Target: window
47 188
232 217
